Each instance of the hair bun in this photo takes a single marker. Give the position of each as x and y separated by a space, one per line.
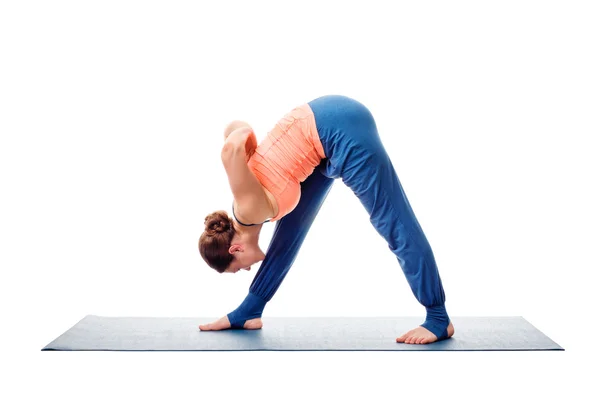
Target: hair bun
217 222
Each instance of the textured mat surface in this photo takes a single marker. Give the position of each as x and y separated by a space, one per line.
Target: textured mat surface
331 333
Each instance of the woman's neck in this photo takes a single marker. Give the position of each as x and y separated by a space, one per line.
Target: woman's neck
249 235
252 233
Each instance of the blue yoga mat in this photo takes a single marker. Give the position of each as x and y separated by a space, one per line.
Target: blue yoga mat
288 334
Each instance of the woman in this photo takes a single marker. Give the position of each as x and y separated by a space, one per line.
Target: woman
287 178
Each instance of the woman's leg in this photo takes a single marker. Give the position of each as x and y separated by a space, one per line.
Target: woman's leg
356 154
288 236
377 186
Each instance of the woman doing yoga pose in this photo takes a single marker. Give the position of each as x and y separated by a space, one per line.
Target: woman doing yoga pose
286 179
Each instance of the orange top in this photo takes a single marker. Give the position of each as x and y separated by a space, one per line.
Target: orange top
287 156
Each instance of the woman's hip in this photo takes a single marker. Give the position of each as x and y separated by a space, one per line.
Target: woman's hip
347 131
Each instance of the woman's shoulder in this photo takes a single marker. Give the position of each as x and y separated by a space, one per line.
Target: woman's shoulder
254 211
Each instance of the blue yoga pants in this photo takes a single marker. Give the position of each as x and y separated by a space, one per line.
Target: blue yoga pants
354 152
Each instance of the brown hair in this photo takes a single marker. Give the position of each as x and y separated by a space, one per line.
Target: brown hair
216 239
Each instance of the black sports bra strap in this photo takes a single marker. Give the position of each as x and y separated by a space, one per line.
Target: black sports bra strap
241 223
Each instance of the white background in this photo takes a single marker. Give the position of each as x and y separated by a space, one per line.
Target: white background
111 119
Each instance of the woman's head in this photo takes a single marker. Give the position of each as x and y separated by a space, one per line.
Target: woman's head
216 240
228 247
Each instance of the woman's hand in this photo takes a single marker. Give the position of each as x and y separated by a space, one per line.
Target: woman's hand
223 323
251 145
233 125
243 139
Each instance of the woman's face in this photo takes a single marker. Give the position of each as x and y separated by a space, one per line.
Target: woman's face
245 251
237 265
245 254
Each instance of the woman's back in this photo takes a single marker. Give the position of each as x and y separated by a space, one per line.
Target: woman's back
287 156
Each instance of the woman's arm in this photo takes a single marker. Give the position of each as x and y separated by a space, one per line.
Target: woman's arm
233 126
247 190
241 139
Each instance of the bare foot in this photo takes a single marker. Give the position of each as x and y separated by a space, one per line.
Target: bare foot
421 335
224 323
255 323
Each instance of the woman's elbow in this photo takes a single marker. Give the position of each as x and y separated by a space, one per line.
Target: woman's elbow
233 125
